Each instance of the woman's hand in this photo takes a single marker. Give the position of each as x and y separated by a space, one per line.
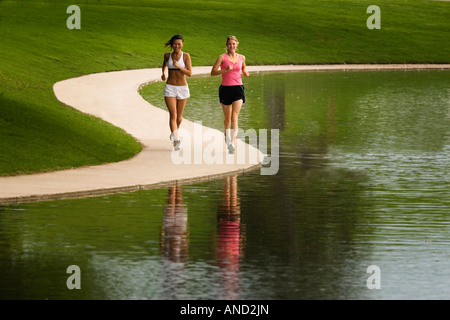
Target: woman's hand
163 77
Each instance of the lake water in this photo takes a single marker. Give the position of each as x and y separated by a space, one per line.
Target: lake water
363 181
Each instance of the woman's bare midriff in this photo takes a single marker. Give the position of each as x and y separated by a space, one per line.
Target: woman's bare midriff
176 78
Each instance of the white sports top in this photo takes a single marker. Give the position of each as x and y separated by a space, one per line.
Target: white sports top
180 62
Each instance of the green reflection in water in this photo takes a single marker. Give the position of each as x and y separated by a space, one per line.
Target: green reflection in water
363 180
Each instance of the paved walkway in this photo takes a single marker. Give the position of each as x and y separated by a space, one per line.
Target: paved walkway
114 97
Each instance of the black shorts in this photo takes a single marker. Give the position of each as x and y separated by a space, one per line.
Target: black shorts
229 94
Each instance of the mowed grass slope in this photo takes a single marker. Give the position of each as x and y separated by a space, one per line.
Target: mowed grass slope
37 133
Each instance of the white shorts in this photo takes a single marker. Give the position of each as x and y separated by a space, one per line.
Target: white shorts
179 92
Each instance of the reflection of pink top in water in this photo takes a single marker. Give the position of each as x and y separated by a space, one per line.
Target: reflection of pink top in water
233 77
229 242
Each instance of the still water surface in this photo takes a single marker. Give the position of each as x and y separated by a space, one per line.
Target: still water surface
363 180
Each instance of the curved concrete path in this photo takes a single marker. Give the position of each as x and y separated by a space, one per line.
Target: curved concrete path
114 97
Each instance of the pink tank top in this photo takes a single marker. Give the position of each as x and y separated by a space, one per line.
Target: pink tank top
233 77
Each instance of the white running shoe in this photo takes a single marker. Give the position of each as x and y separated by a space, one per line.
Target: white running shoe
172 137
176 144
231 148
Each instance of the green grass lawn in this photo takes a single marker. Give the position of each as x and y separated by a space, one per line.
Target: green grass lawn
37 133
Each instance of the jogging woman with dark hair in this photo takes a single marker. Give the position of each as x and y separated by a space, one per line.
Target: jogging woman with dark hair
176 90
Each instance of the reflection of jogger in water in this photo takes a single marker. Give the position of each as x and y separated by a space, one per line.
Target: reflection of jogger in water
230 237
230 202
174 235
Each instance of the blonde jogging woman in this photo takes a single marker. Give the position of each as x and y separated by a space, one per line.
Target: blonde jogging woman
231 90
